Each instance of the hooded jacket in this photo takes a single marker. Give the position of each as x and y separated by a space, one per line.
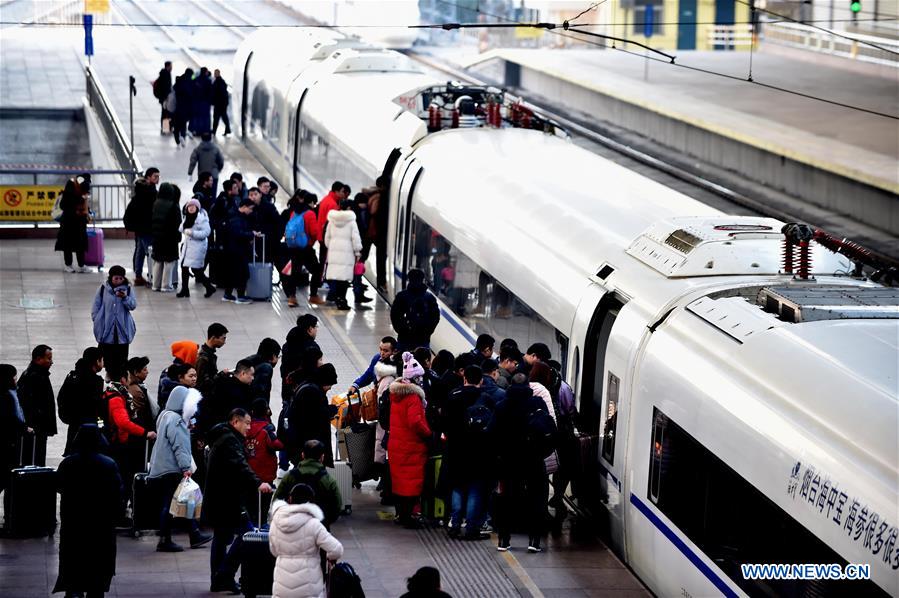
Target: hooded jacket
262 447
296 536
139 213
208 157
113 322
194 245
408 441
80 400
165 223
344 244
414 315
171 453
229 479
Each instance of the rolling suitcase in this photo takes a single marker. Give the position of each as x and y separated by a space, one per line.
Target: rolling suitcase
144 505
94 256
29 503
259 285
360 446
344 476
257 565
433 506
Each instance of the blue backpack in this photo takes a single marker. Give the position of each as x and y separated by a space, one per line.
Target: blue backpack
295 233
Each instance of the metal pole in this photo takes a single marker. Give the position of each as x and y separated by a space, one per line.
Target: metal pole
132 91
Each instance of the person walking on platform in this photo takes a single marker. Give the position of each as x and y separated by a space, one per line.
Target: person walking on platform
407 444
139 220
140 396
166 236
207 360
81 395
170 462
522 473
220 100
75 206
207 157
264 361
300 237
344 250
12 423
309 414
184 98
202 89
237 253
38 405
229 481
297 538
114 326
312 472
91 503
196 230
162 87
414 313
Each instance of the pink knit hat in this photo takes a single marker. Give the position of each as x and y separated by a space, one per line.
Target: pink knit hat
193 201
411 367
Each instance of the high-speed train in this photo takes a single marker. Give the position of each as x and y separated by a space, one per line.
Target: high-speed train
742 417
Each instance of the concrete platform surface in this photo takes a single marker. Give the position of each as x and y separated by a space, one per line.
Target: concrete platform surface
574 564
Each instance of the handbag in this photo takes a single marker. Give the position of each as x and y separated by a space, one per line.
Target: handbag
359 269
552 463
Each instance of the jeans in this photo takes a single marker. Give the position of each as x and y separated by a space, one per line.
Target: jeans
142 250
224 561
468 500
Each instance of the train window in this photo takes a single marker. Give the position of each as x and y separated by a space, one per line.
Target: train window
608 433
477 298
325 162
731 521
274 131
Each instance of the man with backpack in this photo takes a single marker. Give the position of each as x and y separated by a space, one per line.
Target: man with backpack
80 397
138 219
312 472
467 426
162 87
301 232
414 313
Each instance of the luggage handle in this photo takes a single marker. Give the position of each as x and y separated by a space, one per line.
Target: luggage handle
33 450
263 247
147 455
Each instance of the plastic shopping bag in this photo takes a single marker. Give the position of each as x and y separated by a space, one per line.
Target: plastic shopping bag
187 501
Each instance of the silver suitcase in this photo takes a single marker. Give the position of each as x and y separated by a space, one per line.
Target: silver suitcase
259 285
344 476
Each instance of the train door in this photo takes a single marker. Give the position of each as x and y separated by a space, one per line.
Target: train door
608 346
297 141
404 219
243 97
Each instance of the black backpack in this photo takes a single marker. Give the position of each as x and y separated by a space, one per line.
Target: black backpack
418 315
541 431
343 582
479 420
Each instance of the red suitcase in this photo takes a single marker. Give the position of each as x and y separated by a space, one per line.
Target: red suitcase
94 254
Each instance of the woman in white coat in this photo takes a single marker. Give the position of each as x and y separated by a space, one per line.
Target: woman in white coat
344 249
195 230
295 537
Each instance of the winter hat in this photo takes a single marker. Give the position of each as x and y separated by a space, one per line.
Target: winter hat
411 368
166 191
193 201
116 271
186 351
325 375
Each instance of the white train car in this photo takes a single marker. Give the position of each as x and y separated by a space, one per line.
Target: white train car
741 417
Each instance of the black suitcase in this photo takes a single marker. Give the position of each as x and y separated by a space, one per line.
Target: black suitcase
257 564
144 504
29 503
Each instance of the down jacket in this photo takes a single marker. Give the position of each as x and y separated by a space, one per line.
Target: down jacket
165 224
344 244
113 323
193 246
407 445
295 538
171 452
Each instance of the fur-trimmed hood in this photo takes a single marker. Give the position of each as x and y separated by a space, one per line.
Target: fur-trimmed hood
403 387
290 518
383 370
341 218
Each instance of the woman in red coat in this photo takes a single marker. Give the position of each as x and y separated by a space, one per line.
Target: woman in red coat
407 446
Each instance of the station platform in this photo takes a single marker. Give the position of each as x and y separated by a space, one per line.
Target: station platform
831 156
39 303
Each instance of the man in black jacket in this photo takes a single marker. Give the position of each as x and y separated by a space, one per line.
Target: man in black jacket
162 87
38 404
139 220
231 390
230 482
301 337
264 361
309 414
414 313
207 360
81 395
220 100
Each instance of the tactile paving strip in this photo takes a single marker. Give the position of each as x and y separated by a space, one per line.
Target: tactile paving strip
467 569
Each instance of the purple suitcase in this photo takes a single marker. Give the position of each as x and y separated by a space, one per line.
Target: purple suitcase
94 254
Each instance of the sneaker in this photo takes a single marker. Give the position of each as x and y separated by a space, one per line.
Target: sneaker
316 300
167 290
504 545
83 270
199 539
534 549
243 300
230 298
487 527
70 269
168 546
453 531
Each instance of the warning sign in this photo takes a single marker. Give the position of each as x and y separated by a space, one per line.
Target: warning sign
28 203
96 7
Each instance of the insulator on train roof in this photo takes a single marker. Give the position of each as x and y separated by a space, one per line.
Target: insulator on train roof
435 118
455 118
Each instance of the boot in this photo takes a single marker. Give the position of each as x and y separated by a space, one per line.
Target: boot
166 545
198 538
184 292
210 290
